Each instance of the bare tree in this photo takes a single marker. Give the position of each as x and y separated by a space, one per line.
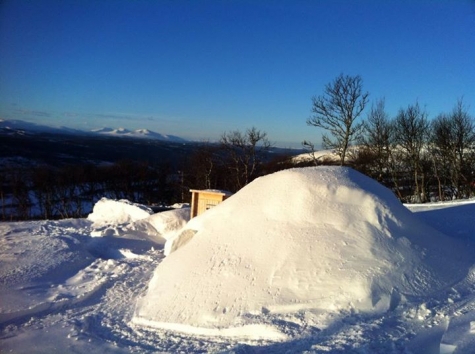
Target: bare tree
439 152
376 140
337 111
21 201
316 160
452 142
411 128
3 183
244 153
203 167
43 184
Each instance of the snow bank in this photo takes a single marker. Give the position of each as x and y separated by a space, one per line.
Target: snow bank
158 227
109 211
169 221
135 221
324 238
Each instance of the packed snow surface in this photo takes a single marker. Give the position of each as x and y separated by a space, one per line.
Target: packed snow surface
325 238
84 286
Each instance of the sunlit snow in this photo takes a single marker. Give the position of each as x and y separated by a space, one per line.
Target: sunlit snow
326 239
306 260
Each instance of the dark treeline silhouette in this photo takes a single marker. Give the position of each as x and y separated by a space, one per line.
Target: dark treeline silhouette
237 160
70 190
421 160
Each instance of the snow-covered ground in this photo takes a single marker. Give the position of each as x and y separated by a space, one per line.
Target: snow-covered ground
318 156
315 260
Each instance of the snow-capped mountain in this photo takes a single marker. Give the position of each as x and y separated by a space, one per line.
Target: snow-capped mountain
138 133
19 127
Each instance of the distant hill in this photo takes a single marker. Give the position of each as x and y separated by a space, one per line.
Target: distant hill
19 127
139 133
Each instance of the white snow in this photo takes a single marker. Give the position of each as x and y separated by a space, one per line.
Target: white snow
326 239
108 211
312 260
121 218
318 155
138 133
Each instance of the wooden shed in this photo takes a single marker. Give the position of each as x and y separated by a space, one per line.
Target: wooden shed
202 200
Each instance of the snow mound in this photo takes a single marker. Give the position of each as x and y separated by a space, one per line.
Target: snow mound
158 227
108 211
135 221
169 221
320 238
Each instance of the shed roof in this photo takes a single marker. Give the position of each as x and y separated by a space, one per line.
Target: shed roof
212 191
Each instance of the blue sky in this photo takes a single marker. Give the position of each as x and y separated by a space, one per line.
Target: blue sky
199 68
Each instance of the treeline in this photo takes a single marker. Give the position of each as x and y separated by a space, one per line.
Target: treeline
238 159
420 159
70 191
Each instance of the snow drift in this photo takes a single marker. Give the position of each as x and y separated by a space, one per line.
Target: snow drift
324 238
108 211
122 218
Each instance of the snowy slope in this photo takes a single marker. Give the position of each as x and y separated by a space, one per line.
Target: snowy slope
319 155
324 238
